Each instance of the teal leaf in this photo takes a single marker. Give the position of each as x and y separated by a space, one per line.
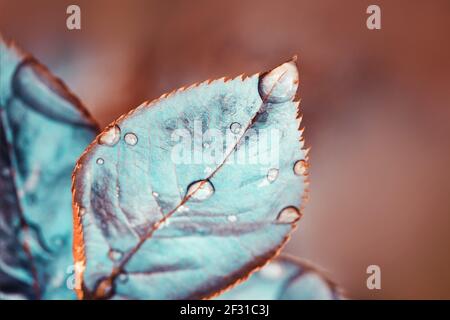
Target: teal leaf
43 130
186 195
285 278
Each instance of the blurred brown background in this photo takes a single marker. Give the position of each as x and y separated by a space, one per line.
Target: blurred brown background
375 103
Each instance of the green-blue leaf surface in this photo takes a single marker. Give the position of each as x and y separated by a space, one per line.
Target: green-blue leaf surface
43 130
151 224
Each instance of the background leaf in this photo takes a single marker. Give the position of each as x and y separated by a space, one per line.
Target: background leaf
43 130
285 278
149 227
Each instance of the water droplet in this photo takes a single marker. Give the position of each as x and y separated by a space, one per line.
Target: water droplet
300 167
123 277
232 218
208 170
100 161
273 270
182 208
82 211
206 145
155 194
57 241
235 127
115 255
200 190
131 139
104 289
289 215
280 84
272 174
164 223
111 136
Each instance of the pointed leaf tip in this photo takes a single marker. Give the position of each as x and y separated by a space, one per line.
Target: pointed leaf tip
280 84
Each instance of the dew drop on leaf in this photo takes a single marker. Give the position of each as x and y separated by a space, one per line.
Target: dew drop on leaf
131 139
110 137
100 161
232 218
300 167
123 277
288 215
115 255
57 241
200 190
272 174
280 84
104 289
235 127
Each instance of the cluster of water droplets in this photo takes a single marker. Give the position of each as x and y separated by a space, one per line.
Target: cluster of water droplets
111 136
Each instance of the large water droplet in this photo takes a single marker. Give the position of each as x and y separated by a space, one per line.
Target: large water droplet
100 161
115 255
235 127
110 137
200 190
280 84
131 139
289 215
272 174
300 167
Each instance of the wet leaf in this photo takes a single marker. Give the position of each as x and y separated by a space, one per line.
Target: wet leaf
285 278
43 130
187 194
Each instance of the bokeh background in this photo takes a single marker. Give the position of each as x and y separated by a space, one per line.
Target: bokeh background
375 103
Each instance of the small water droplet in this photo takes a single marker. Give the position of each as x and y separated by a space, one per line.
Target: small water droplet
182 208
57 241
232 218
155 194
235 127
208 170
164 224
289 215
123 277
206 145
115 255
300 167
110 137
200 190
100 161
131 139
82 211
272 174
104 289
